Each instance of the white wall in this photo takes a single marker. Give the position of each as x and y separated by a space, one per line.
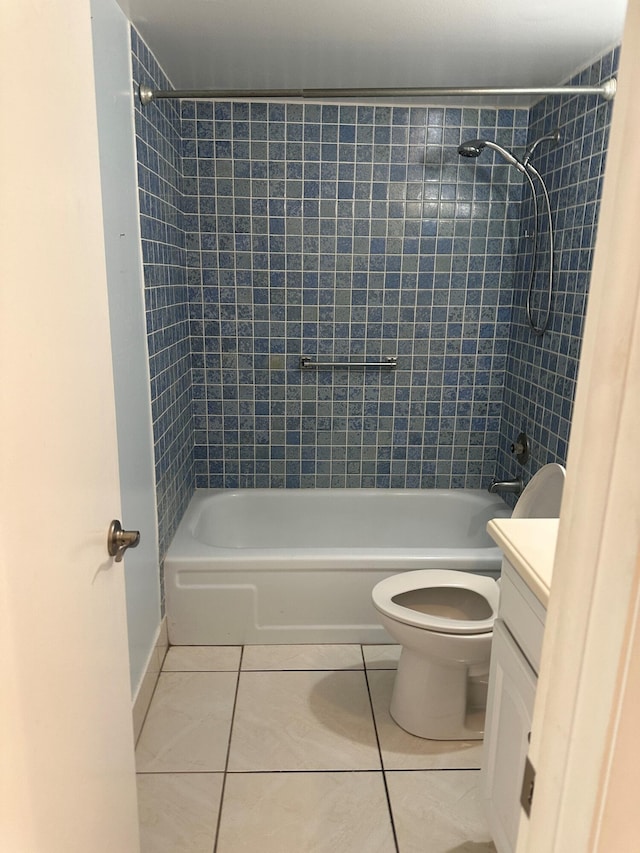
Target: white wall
112 59
362 43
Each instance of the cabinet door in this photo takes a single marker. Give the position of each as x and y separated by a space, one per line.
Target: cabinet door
512 687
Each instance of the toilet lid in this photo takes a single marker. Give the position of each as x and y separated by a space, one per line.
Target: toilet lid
449 602
543 494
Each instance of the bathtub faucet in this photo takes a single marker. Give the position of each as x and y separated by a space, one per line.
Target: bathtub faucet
513 487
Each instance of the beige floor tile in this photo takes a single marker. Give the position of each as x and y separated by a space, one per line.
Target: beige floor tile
438 811
305 812
178 811
303 721
187 727
402 751
381 657
202 659
302 657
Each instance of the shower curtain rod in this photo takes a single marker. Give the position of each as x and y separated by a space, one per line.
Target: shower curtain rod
146 94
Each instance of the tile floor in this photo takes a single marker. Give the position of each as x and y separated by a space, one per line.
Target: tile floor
291 749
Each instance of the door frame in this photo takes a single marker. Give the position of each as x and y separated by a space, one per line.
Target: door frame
590 673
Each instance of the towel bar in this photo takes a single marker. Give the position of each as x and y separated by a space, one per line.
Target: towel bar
389 362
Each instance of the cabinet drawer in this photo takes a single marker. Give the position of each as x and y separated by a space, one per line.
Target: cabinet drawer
523 614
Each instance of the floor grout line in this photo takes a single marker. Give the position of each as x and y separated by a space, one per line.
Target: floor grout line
284 669
226 763
146 715
384 775
226 772
301 772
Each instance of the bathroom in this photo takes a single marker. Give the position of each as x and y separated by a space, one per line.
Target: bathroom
223 332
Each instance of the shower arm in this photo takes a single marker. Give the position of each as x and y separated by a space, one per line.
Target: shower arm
554 136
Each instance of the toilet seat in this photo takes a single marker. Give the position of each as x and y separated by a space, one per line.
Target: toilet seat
388 589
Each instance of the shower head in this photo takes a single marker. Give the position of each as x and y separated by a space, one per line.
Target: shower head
474 148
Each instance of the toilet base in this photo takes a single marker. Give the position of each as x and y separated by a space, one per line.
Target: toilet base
429 700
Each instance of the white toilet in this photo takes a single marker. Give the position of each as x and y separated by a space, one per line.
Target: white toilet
444 622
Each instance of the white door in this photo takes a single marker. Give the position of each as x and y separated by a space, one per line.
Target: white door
67 769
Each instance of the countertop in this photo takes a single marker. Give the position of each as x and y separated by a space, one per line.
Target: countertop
529 544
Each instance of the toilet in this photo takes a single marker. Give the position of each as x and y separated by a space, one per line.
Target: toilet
443 620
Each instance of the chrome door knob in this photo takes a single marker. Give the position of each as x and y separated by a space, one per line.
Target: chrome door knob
118 540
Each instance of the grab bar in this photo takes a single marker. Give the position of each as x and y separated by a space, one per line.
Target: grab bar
389 362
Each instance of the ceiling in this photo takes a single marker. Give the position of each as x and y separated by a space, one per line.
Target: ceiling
374 43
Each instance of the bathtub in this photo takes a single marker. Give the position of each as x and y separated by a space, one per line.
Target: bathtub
298 565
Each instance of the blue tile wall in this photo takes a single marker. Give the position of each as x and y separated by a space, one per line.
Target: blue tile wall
337 232
541 371
158 143
274 230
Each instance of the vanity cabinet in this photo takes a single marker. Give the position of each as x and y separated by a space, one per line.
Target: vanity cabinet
515 660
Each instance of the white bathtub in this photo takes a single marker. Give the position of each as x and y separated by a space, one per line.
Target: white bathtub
298 565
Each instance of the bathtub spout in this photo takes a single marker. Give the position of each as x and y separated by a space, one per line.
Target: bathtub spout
513 487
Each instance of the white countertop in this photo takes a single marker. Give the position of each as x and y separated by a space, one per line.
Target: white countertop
529 544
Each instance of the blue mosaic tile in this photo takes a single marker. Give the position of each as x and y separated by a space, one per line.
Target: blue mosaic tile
161 170
340 280
541 372
273 230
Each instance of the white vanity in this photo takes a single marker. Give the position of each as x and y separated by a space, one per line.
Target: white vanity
528 546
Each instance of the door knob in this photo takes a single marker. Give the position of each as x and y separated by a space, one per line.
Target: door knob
118 540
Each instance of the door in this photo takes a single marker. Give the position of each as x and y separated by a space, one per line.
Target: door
65 730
